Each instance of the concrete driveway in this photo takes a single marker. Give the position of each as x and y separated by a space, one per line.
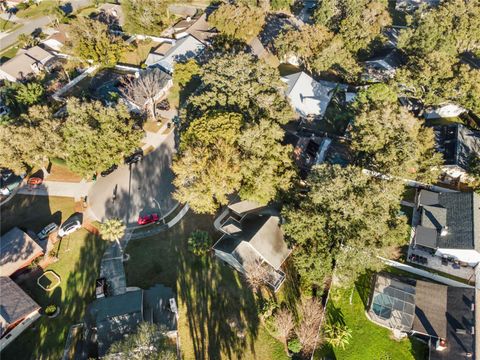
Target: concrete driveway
141 188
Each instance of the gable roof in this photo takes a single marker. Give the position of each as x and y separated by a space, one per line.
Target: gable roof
308 96
21 65
257 236
17 250
15 304
457 143
197 27
456 212
183 49
430 309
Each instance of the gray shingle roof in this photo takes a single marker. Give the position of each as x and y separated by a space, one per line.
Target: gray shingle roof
430 309
17 250
15 304
462 219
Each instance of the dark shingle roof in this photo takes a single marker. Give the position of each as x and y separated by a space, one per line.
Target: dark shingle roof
15 304
460 321
462 219
430 309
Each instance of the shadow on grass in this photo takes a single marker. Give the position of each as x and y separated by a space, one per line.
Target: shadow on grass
78 268
220 310
364 287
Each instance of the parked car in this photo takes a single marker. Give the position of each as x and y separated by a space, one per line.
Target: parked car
69 227
135 157
109 170
163 105
35 181
101 288
6 173
47 230
148 219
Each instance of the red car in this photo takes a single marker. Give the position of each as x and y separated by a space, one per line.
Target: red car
35 181
147 219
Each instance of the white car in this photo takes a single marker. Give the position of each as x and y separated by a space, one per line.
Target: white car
69 228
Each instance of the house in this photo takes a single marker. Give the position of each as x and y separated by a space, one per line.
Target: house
445 315
111 318
413 5
17 311
57 38
447 224
392 34
309 98
26 64
112 14
443 111
458 145
198 27
252 237
382 67
17 251
183 49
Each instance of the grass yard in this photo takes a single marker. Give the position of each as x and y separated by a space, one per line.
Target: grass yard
138 54
78 266
8 54
36 10
60 172
369 341
209 294
35 212
6 25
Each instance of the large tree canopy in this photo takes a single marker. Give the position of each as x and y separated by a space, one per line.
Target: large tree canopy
435 44
30 141
96 137
148 17
91 40
240 21
347 217
390 140
318 49
240 83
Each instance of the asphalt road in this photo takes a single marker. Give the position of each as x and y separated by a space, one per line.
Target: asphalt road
142 188
27 28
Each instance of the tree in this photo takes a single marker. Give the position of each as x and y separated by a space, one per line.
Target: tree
240 83
343 209
391 141
30 140
113 230
199 242
27 40
148 343
318 49
256 274
338 335
376 95
243 22
362 21
149 17
206 175
29 94
96 137
284 323
91 41
308 330
146 89
185 73
327 14
267 166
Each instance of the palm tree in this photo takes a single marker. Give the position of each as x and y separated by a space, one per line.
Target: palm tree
113 230
338 335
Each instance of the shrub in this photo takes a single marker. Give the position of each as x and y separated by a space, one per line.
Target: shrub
199 242
294 346
50 309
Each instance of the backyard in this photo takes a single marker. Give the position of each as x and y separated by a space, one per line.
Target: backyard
369 341
210 295
78 266
36 10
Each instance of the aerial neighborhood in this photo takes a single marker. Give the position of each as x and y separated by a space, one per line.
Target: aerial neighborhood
241 179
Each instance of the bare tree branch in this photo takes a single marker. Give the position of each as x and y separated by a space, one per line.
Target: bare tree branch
284 323
256 275
311 311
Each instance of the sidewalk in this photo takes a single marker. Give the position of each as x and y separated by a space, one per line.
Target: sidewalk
58 188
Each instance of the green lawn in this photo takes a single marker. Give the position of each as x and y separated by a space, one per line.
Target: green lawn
138 53
369 341
8 54
209 294
6 25
36 10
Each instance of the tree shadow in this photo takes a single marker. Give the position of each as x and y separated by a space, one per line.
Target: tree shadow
291 286
364 286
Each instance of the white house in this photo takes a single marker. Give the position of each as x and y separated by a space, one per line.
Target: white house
444 111
310 98
449 225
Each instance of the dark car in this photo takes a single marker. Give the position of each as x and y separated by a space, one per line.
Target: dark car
163 105
135 157
101 288
109 170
